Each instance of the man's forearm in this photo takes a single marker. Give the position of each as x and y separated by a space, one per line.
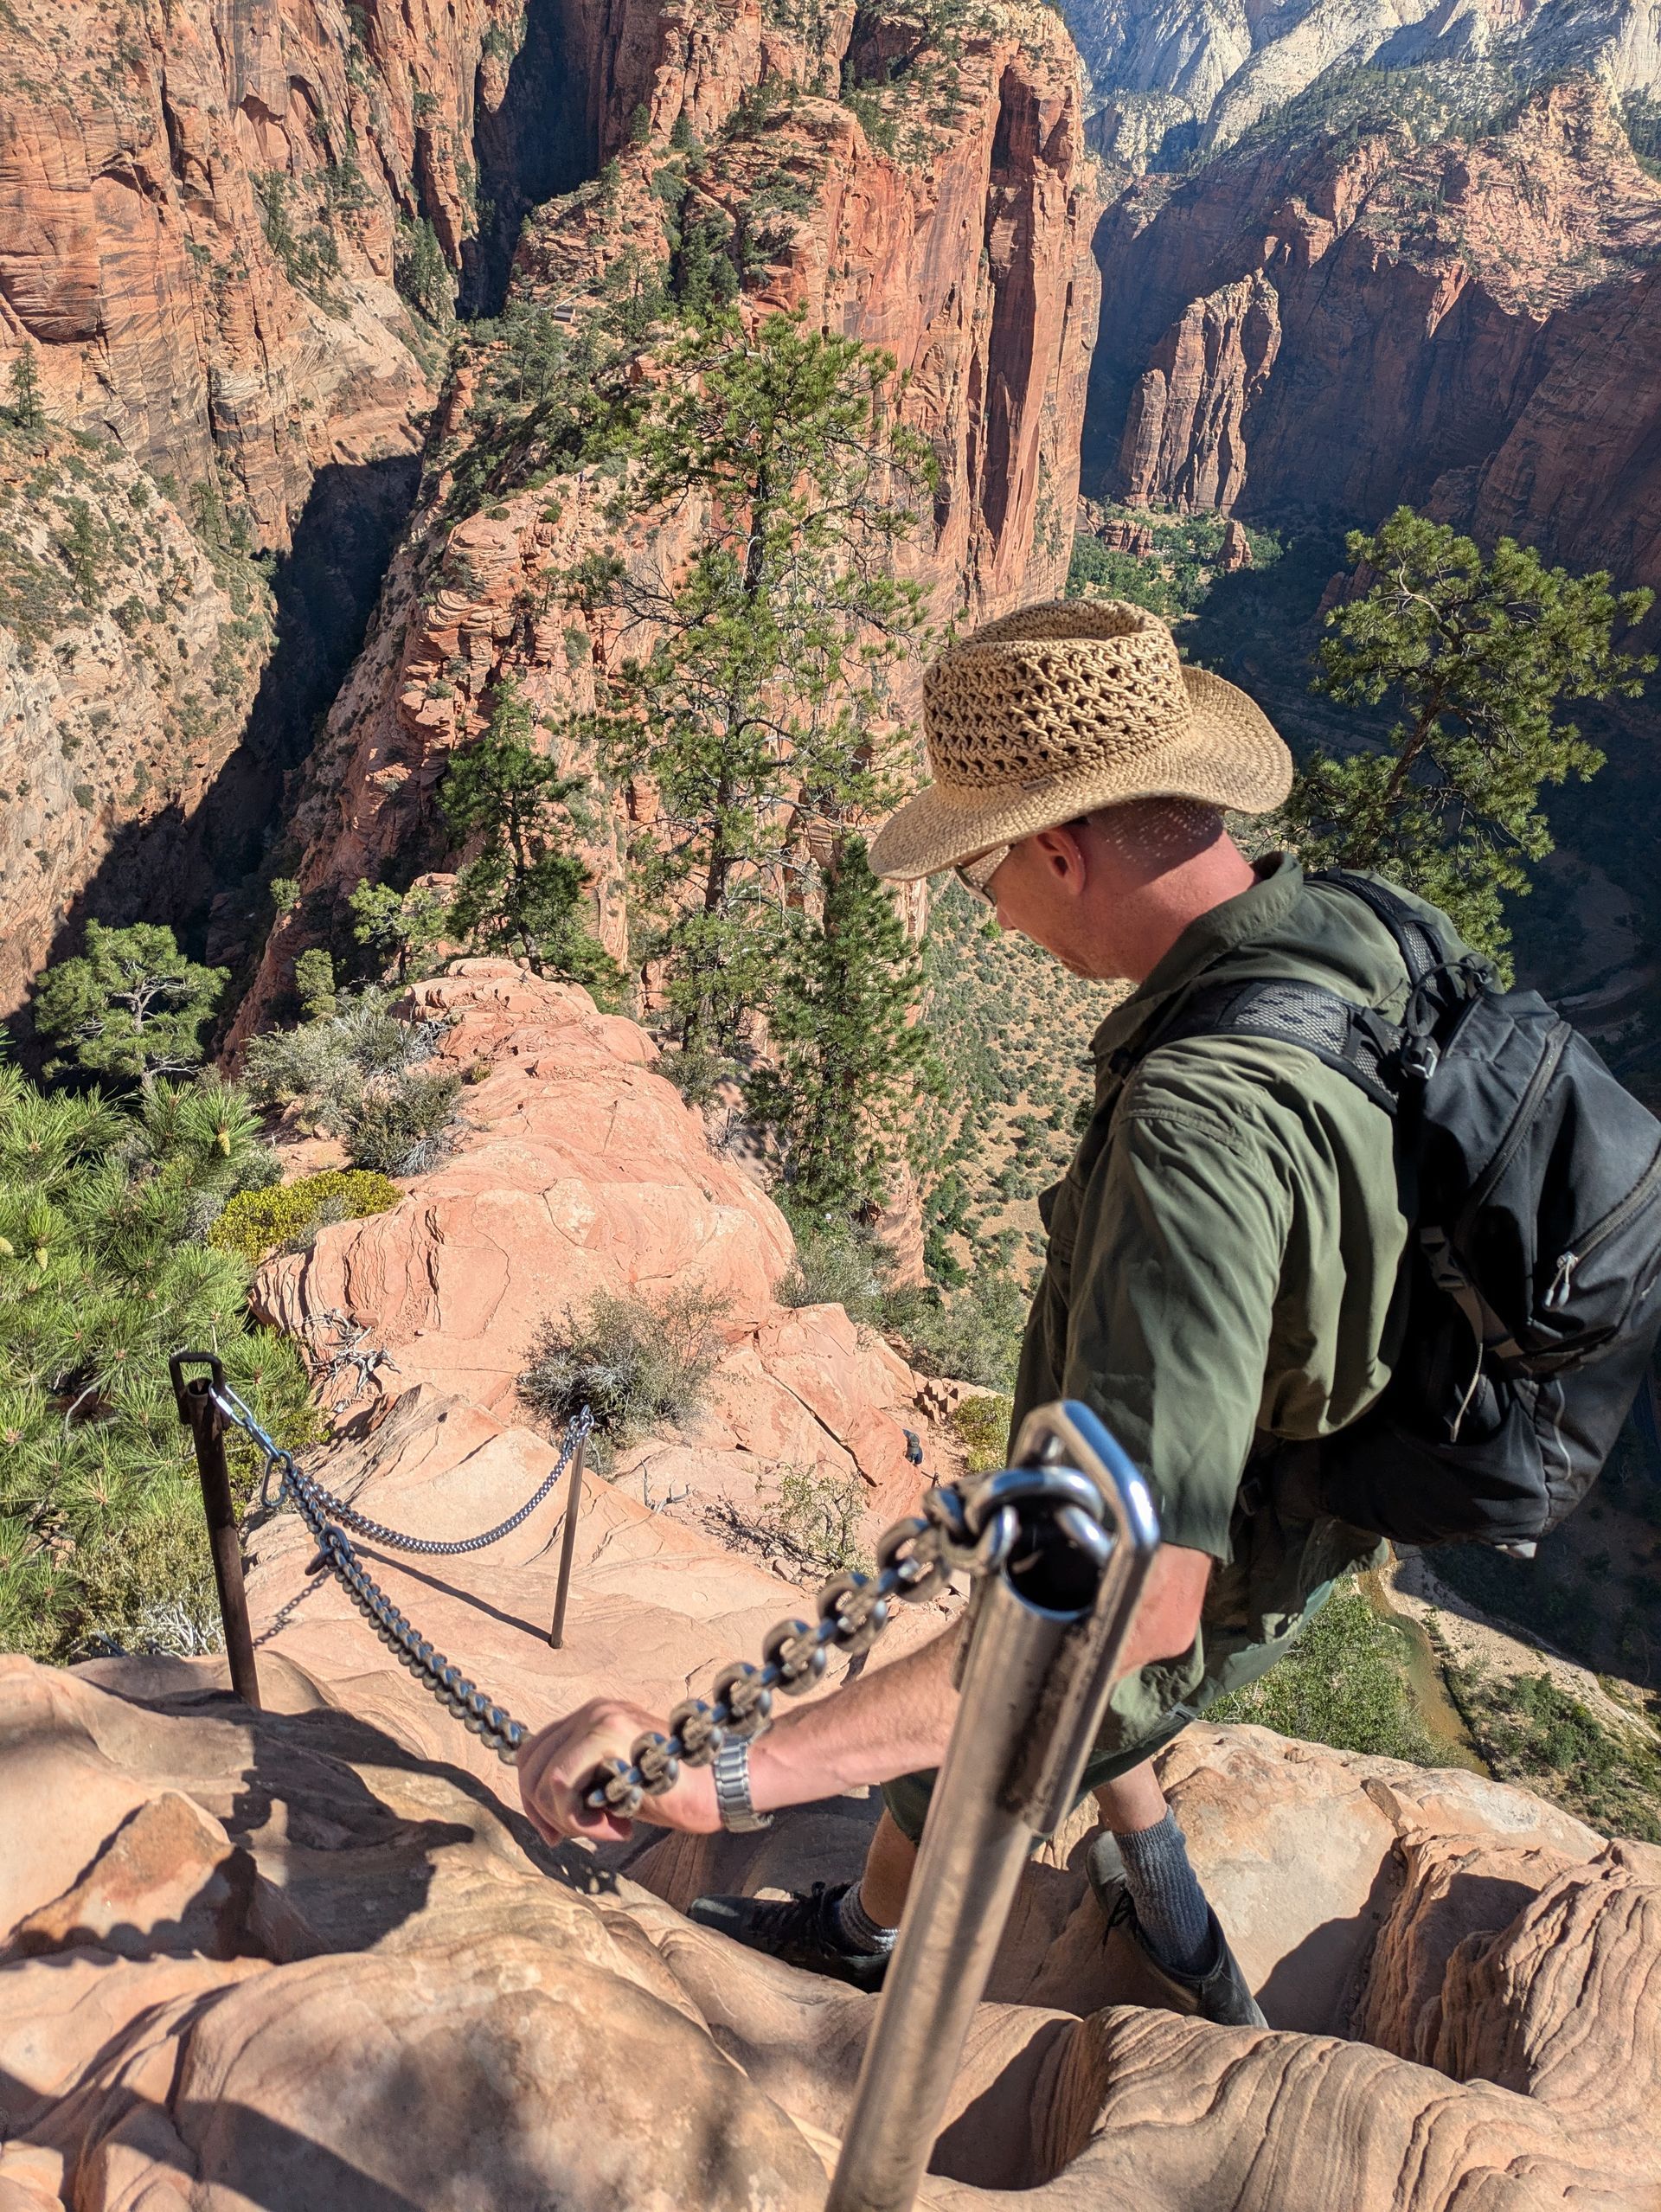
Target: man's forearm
894 1721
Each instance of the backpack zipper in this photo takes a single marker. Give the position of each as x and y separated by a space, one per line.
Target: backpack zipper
1635 1199
1556 1041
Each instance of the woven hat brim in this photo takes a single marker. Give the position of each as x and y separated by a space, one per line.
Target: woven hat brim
1230 756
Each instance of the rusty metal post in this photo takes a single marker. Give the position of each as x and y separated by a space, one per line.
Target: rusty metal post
201 1416
568 1549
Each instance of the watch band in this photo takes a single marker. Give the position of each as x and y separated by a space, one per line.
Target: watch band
732 1776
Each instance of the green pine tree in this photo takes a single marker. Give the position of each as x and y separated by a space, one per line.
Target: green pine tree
521 894
756 715
1475 655
27 408
849 1059
129 1004
314 978
105 1271
397 929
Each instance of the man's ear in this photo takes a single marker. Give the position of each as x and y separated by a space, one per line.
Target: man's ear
1061 855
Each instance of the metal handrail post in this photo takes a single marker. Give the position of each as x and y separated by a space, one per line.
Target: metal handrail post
200 1415
567 1548
1040 1658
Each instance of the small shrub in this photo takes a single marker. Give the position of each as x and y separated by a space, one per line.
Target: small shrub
638 1363
982 1426
972 1334
402 1129
815 1518
837 1265
256 1223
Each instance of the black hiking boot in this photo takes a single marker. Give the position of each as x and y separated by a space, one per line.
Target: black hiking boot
1221 1994
801 1930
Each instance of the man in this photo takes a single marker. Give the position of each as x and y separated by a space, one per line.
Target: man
1222 1261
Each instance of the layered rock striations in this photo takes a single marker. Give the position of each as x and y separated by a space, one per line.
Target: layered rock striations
946 217
207 211
131 655
1459 325
200 212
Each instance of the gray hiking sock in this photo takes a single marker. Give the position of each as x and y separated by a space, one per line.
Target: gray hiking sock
859 1931
1171 1908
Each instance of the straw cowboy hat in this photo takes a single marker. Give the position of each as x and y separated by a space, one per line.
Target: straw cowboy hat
1055 711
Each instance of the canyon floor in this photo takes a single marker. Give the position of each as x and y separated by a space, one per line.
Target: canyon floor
317 1956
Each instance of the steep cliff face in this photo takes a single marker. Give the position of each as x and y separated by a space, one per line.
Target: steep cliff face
200 221
207 210
946 217
129 659
1457 325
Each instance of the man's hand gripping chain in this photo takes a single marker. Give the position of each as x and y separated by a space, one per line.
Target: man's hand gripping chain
914 1559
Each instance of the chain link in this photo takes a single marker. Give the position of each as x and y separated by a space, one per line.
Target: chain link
451 1548
913 1558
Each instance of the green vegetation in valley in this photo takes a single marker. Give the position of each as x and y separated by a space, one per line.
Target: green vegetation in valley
1174 578
107 1267
1013 1031
1534 1732
1344 1684
1474 653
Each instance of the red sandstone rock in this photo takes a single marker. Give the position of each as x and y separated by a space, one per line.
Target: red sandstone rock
973 267
1463 327
479 2019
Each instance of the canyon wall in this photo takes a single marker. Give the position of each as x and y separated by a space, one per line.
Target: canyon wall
1344 327
1173 78
207 210
199 211
953 231
215 219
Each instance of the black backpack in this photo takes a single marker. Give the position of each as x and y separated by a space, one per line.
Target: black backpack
1533 1180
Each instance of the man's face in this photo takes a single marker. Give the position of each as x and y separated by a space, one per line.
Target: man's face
1040 891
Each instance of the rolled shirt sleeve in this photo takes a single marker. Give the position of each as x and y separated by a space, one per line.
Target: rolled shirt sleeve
1175 1271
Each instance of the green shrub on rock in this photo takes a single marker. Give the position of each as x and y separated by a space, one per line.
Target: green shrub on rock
638 1362
256 1223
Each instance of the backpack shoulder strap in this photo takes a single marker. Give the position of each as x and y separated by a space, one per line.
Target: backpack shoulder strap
1352 1039
1419 945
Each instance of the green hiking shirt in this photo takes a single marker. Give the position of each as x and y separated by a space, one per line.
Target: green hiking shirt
1221 1273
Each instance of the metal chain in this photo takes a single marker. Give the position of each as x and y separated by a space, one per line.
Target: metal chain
913 1558
453 1691
436 1548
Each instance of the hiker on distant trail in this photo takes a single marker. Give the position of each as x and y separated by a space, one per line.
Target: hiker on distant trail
1221 1278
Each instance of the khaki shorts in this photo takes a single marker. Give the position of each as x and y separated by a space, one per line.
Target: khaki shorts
1148 1710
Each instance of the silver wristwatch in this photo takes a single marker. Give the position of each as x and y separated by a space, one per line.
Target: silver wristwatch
732 1772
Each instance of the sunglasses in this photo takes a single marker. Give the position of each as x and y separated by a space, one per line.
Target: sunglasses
975 875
